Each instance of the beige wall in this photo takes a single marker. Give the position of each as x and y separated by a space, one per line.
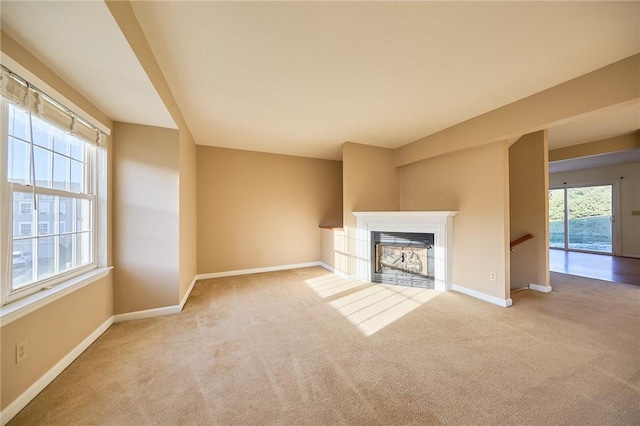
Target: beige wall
529 207
333 250
629 197
370 183
51 333
188 229
604 146
260 210
476 183
146 217
55 329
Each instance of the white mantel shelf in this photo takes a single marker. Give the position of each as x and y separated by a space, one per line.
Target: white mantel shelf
439 223
433 213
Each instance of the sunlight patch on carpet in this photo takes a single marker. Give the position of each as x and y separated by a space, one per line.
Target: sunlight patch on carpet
373 308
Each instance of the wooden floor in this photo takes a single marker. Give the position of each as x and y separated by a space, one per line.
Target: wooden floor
600 266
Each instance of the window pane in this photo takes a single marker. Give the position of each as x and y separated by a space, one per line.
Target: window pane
18 122
83 248
556 218
18 162
66 214
61 142
22 221
22 262
589 216
61 172
83 215
65 254
77 149
45 204
43 160
46 256
46 214
77 177
42 133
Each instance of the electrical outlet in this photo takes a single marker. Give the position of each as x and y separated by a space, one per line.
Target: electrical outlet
21 351
493 276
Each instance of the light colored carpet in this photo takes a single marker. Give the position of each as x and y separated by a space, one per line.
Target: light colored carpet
305 347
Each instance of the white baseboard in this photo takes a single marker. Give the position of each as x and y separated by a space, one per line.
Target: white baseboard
148 313
505 303
188 293
335 271
540 288
256 270
157 312
32 391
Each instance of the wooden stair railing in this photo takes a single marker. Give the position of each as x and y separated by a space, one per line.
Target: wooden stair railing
520 241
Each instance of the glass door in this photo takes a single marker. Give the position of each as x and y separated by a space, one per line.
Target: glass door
589 218
556 218
581 218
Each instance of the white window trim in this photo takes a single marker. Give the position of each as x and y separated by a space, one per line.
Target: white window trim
24 306
25 203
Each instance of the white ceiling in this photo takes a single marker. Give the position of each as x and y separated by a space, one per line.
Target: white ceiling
301 78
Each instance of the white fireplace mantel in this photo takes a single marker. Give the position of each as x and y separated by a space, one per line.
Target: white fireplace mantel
439 223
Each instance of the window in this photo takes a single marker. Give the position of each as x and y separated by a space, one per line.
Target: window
25 228
50 180
43 228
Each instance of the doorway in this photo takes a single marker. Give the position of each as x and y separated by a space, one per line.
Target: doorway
581 218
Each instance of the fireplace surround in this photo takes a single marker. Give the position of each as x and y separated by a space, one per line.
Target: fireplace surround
422 240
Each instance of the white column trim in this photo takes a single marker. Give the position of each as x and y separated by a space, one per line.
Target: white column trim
540 288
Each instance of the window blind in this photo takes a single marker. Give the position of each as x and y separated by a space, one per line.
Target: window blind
17 90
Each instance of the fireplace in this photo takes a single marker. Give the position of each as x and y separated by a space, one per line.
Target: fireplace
403 258
410 248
